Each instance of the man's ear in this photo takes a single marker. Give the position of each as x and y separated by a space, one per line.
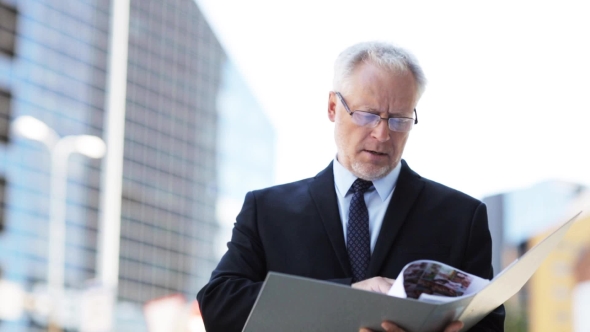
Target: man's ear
332 101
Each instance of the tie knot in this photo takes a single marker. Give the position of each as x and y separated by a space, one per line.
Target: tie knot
361 186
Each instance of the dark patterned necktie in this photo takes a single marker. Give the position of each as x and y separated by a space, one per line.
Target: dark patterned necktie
358 239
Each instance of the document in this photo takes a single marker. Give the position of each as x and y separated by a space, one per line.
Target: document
426 297
435 282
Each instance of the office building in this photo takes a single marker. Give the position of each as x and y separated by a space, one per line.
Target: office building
53 66
551 289
516 216
246 150
169 173
520 219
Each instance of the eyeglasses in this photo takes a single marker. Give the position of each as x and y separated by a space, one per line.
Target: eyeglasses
366 119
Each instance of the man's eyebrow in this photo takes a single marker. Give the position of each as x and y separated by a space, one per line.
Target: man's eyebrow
378 112
369 110
372 110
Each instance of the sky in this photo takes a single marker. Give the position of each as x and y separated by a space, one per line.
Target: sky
508 97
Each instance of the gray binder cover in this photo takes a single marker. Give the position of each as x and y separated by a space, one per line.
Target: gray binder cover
293 304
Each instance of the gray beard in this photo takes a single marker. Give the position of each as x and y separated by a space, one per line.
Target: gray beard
369 173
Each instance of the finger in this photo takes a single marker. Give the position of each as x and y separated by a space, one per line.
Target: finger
390 327
384 286
391 281
455 326
364 330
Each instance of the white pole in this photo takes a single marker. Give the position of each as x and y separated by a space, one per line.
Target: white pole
60 154
60 150
114 135
57 228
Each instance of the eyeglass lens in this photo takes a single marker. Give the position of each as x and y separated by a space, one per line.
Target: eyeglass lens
372 120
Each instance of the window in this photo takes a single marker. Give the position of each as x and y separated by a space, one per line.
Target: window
5 98
8 16
2 202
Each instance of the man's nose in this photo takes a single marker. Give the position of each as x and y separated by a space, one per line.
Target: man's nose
381 132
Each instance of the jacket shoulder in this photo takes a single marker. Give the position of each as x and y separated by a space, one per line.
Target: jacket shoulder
284 191
437 190
298 189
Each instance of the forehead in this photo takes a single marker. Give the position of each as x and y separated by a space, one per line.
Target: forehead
382 85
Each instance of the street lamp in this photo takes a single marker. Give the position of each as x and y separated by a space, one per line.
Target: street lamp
60 150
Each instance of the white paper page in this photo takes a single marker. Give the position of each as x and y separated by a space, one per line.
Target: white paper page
397 289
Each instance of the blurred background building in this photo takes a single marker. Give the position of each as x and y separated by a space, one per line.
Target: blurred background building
245 143
519 220
551 289
516 216
195 141
52 67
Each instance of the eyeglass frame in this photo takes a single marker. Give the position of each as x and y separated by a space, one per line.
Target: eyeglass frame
380 118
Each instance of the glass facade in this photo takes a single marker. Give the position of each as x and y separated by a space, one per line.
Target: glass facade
8 15
169 172
5 110
184 147
56 74
245 150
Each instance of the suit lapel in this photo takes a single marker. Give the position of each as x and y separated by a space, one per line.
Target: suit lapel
323 193
407 189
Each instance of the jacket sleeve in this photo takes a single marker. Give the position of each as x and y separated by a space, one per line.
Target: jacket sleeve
227 299
478 258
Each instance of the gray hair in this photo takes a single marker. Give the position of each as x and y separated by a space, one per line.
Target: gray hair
383 54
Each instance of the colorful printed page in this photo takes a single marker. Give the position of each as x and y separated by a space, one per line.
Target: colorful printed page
436 282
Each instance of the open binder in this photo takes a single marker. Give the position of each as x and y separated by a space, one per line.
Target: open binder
289 303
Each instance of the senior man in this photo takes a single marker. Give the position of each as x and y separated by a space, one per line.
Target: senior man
365 216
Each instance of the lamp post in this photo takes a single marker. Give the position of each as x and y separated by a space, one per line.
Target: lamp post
60 150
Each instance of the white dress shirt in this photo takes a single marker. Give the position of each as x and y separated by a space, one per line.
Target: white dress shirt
377 197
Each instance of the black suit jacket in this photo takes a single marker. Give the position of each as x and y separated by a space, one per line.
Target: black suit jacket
296 229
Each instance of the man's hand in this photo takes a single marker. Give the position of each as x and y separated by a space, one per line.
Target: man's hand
455 326
376 284
382 285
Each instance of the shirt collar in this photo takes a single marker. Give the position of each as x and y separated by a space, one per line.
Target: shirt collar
344 179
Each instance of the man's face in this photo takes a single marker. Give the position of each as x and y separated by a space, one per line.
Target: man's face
371 153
